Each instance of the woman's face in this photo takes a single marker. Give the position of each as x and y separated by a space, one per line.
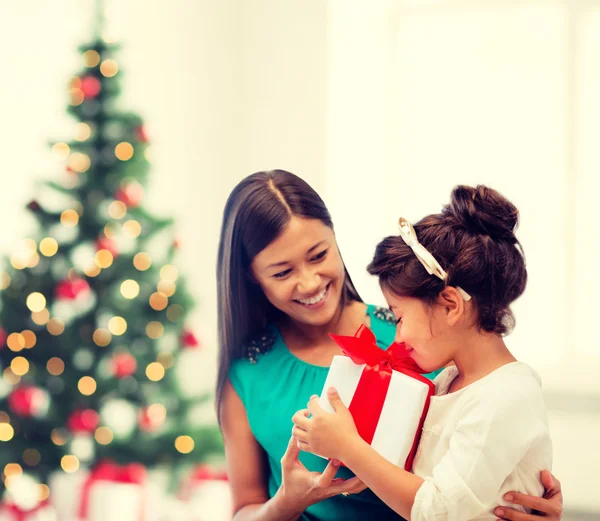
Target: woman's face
301 272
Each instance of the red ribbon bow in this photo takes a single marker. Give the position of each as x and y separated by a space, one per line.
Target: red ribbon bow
369 397
111 471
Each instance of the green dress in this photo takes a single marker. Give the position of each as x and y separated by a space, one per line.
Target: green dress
273 384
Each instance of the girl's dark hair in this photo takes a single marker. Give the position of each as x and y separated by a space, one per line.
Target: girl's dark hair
473 240
257 211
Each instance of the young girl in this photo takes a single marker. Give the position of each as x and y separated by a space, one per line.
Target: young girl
450 281
282 287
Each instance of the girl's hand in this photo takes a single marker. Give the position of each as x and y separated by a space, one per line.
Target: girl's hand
548 506
301 488
324 433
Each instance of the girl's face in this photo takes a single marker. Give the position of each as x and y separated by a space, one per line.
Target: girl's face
426 331
301 272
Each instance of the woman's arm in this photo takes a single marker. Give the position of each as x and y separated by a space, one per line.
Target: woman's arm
248 471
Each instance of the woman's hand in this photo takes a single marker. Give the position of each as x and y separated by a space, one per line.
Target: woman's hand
301 488
549 506
324 433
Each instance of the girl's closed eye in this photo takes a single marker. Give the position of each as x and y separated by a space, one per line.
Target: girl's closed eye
320 256
282 274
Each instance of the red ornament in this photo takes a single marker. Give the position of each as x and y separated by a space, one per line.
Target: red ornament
91 86
71 289
189 339
3 337
140 134
123 365
28 401
131 194
104 243
83 421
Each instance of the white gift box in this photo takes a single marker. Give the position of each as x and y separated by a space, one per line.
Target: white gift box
65 493
402 410
210 500
116 501
45 513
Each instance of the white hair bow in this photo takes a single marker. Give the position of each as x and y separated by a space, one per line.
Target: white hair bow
409 236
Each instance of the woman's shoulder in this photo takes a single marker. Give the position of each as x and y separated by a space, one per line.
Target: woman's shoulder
383 324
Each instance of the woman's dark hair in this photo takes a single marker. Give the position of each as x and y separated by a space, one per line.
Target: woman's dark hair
473 240
257 211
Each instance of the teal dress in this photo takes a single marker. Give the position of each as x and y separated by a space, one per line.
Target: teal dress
273 384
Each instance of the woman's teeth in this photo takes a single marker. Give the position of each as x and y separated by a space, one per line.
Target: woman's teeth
314 300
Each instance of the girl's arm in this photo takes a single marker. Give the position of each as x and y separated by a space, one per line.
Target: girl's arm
466 480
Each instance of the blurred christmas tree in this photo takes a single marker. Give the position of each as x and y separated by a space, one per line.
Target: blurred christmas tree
93 309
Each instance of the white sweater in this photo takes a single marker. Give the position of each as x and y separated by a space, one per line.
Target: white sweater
481 442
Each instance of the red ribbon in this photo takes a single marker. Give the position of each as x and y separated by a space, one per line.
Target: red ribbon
110 471
369 397
19 513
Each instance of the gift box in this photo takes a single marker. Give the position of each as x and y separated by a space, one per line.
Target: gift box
43 512
208 495
114 492
385 393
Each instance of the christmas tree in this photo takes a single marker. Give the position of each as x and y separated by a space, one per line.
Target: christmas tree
93 309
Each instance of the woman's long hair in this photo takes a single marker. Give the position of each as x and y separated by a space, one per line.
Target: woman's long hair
257 211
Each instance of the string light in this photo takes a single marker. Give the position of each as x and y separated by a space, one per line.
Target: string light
13 469
6 432
79 162
102 337
103 259
155 371
154 330
103 435
55 366
55 326
124 151
82 132
19 366
184 444
30 338
69 218
158 301
91 58
41 317
15 342
87 385
117 209
36 301
169 273
109 68
44 491
130 289
166 287
117 325
75 82
48 246
69 463
142 261
58 437
92 271
132 228
33 260
157 414
77 96
61 150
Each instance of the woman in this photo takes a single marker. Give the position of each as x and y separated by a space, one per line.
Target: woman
282 287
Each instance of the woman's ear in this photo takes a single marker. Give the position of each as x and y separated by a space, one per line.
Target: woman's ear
453 304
